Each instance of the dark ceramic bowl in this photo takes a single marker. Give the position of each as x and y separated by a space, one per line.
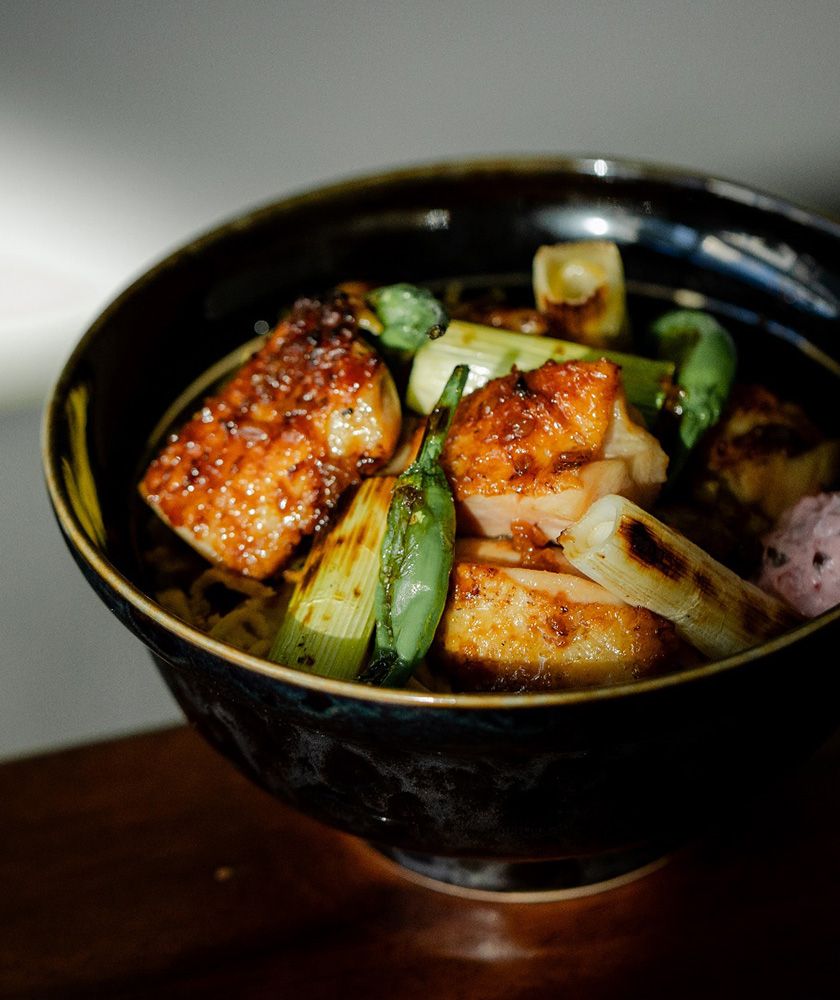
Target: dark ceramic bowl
499 791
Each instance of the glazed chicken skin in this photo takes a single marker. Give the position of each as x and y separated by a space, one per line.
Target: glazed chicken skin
261 464
765 453
538 447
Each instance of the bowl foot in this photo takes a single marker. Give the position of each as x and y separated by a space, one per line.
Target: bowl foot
528 881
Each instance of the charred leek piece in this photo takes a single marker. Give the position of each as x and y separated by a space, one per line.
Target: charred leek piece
580 287
330 619
648 564
409 316
705 356
416 554
491 352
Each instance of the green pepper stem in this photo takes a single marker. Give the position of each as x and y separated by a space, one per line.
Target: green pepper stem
440 419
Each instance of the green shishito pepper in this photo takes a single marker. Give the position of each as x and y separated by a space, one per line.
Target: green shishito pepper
706 359
409 316
417 553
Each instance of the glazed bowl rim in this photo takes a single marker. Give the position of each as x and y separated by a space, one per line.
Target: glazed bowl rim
599 166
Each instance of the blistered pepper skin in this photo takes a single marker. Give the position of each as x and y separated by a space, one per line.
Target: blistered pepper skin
417 553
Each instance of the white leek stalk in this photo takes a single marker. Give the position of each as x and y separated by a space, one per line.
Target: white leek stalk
650 565
329 623
580 286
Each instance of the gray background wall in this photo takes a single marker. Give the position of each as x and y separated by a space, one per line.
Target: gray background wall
127 127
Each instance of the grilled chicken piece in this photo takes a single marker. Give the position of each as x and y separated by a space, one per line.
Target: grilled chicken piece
512 552
766 454
539 447
261 464
506 629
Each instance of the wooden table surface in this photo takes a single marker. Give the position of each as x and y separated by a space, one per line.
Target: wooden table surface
147 867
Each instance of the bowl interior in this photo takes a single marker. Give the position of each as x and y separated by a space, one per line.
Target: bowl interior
770 270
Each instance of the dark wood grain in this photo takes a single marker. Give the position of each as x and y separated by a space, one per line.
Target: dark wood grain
147 867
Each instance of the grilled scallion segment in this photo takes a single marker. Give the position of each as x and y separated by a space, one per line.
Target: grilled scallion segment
409 316
580 287
648 564
417 553
330 620
705 359
491 352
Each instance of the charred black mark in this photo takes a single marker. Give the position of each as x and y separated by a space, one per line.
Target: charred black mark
312 567
520 386
409 494
355 539
559 626
439 418
522 463
573 316
647 549
566 460
753 619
